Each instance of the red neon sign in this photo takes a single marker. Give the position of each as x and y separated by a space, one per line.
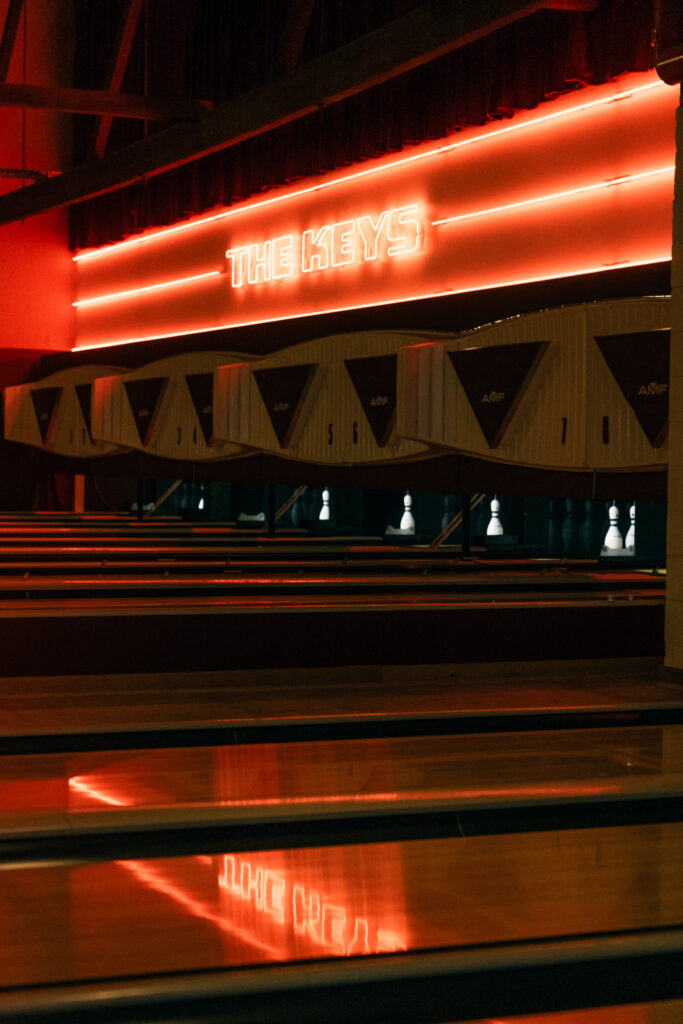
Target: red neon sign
363 239
574 187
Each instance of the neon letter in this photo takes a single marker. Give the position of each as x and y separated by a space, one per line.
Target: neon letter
315 252
239 265
342 243
407 240
370 232
283 264
259 263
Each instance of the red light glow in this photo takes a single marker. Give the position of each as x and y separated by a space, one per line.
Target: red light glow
178 282
79 785
507 283
153 879
361 240
567 193
267 893
524 197
374 168
305 911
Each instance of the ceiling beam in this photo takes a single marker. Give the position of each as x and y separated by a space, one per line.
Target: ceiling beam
294 33
9 35
92 101
124 41
426 33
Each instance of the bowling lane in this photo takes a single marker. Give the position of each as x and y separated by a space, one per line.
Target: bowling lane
668 1011
146 802
493 587
159 595
466 768
367 696
142 917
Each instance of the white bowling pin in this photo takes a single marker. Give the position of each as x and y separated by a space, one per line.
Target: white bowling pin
407 520
613 539
631 535
495 527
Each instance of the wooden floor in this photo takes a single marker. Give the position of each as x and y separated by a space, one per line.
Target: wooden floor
464 767
86 921
668 1012
59 703
283 780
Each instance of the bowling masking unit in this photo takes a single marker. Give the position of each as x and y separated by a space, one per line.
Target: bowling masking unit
575 388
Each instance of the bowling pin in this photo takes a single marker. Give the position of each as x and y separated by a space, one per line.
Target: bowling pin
495 527
407 520
613 539
325 509
630 542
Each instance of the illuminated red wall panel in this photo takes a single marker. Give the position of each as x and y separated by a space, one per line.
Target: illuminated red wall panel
581 184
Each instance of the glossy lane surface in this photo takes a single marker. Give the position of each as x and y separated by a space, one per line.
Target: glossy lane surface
125 918
581 763
104 702
665 1012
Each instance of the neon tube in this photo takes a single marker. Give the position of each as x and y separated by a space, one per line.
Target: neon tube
364 172
620 264
611 182
112 296
444 221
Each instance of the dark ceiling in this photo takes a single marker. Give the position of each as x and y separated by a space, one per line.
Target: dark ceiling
179 105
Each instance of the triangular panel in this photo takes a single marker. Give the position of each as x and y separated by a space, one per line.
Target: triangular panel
639 363
144 396
283 389
84 395
374 378
200 386
44 403
494 379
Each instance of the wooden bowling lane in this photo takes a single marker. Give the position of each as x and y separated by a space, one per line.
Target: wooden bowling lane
668 1011
264 703
134 574
62 567
141 803
160 583
233 594
250 549
495 767
84 921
